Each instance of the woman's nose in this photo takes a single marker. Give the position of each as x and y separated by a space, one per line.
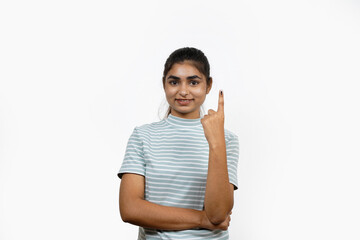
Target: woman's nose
184 89
184 92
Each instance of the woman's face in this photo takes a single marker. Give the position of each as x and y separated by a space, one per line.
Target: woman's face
184 81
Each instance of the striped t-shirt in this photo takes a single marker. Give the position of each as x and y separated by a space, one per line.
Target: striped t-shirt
172 155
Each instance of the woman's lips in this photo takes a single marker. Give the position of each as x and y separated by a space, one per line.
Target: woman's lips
183 102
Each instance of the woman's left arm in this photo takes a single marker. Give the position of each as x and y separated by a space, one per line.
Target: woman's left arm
219 193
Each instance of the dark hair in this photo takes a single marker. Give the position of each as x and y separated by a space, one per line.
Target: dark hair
195 56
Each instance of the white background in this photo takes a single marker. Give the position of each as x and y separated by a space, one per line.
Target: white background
77 76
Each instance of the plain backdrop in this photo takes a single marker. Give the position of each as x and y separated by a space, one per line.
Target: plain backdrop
77 76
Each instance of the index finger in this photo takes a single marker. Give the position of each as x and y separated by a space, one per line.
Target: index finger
221 101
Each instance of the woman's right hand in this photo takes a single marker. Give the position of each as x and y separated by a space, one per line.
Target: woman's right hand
205 223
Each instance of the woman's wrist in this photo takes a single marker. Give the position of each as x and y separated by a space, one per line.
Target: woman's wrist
204 221
202 216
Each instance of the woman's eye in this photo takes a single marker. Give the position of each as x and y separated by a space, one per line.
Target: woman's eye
172 82
175 82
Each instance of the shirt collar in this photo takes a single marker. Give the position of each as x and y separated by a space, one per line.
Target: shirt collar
183 122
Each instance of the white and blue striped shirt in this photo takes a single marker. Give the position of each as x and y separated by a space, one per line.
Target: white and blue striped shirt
172 155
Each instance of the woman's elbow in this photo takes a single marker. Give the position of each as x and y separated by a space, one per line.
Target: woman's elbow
217 219
124 217
218 215
127 215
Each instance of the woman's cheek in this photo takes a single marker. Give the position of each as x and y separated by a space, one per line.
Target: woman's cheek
199 91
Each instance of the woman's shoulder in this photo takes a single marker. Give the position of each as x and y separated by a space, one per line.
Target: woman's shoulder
230 134
152 126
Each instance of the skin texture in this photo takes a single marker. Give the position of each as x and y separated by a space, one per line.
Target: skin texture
184 81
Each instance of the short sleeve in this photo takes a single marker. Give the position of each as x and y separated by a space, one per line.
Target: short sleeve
133 161
232 156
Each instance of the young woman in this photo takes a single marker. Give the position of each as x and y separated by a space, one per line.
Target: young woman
179 174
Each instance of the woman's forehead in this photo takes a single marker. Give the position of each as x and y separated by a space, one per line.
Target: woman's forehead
184 69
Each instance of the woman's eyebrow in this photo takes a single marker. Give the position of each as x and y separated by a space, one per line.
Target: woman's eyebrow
193 77
189 77
173 77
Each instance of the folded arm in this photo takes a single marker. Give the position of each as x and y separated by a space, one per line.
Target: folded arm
135 210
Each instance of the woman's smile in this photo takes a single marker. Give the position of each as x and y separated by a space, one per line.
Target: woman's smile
184 102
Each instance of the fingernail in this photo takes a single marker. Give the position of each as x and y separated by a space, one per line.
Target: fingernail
221 92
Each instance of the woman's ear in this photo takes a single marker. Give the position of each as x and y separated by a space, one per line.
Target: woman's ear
208 87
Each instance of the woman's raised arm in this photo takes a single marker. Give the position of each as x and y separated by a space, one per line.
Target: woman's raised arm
219 193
